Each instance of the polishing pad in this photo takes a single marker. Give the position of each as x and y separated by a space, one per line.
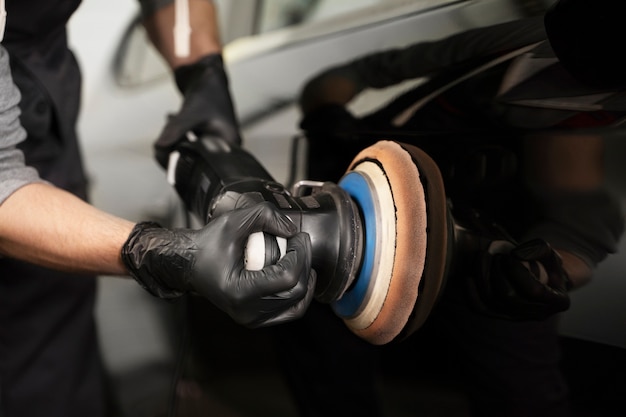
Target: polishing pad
400 193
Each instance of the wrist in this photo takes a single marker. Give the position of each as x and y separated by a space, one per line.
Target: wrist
186 75
151 256
203 37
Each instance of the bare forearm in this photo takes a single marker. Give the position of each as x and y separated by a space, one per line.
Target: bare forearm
47 226
204 38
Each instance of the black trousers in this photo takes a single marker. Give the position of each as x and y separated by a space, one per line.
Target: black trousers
49 358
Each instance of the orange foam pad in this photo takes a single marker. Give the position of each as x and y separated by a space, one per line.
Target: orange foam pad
410 244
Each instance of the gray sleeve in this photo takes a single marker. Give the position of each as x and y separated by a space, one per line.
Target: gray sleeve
13 172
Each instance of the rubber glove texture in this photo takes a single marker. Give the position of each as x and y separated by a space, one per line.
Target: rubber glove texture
210 262
207 107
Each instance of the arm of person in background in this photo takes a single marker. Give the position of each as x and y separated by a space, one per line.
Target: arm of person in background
199 72
578 215
578 222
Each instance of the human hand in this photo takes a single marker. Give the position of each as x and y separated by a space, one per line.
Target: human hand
207 107
210 262
523 282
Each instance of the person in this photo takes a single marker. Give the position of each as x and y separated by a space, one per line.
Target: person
514 115
53 242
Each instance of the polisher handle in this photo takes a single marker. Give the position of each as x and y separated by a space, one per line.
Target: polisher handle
263 249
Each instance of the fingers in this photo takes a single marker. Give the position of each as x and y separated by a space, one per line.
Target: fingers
265 217
296 310
248 200
509 286
288 275
522 294
277 293
283 291
533 250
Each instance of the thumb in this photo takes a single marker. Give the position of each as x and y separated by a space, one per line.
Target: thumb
265 217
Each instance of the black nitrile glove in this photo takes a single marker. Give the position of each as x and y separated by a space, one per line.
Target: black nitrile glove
210 263
207 107
523 282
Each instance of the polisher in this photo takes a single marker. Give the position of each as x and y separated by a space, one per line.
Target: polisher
380 235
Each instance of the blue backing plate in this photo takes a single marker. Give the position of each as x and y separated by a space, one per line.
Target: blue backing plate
358 188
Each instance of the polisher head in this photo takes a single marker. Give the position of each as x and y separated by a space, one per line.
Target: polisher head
400 193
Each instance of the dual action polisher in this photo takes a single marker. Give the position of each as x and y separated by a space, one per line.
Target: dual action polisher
380 235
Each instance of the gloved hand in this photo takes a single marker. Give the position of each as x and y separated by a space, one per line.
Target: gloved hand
210 262
520 282
207 106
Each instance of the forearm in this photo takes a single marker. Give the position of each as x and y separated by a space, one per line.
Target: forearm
577 215
47 226
204 37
